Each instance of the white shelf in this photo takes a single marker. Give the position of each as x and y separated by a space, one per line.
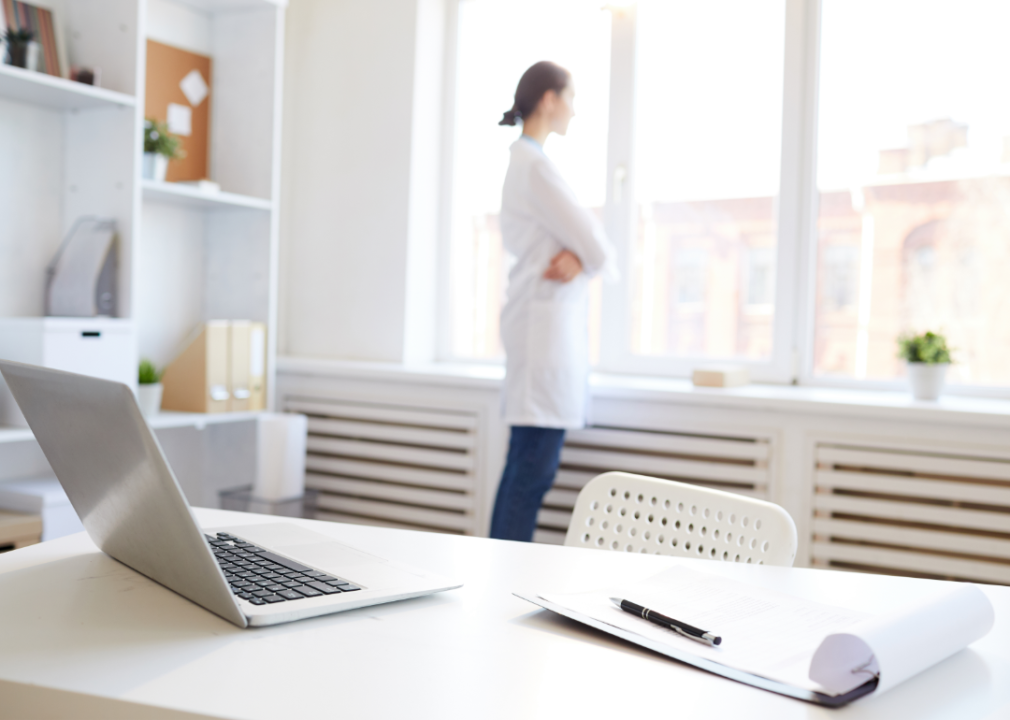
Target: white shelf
178 194
161 421
48 91
210 6
172 419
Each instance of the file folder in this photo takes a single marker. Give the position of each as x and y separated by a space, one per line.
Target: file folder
198 380
240 362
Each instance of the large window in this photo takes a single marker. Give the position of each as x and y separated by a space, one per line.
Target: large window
914 178
793 221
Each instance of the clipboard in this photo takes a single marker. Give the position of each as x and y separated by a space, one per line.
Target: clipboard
762 683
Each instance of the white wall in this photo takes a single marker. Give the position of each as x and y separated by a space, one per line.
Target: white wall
360 178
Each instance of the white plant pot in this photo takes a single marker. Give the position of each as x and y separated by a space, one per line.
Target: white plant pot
927 379
155 167
149 398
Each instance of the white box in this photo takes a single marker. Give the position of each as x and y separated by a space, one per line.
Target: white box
45 497
281 440
101 347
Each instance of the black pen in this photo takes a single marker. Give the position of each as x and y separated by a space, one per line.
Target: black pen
688 631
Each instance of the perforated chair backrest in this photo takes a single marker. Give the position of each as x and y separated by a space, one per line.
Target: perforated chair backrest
634 513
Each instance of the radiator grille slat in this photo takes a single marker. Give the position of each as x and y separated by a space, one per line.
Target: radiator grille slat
734 464
392 465
899 512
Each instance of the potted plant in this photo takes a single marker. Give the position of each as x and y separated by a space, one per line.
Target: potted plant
928 358
149 389
159 147
17 46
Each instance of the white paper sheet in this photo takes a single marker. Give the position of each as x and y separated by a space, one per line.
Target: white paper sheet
764 632
903 643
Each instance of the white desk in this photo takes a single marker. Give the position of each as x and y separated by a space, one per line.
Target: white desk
72 619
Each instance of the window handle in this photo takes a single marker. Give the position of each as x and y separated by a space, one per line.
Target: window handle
620 174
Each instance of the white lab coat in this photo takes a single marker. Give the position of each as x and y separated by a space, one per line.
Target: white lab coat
545 323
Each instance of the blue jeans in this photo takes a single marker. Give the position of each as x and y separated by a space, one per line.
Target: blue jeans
533 459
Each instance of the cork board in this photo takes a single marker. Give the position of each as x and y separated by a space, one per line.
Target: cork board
167 66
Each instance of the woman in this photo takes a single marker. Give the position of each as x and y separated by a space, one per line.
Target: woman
558 245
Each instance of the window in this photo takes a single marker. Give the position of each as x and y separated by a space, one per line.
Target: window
913 227
707 127
497 41
762 213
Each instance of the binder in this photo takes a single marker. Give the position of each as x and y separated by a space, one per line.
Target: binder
198 379
257 366
240 362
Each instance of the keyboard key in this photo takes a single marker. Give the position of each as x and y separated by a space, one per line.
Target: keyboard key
307 591
244 574
257 601
218 543
290 564
348 588
275 588
324 588
315 574
255 550
290 583
274 598
225 536
290 594
336 582
241 583
241 544
273 576
246 596
261 593
263 583
325 578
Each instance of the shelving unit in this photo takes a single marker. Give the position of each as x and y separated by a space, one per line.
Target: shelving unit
185 256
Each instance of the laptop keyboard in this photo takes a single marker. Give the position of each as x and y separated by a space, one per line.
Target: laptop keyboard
262 578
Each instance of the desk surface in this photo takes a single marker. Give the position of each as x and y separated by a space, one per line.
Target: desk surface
72 620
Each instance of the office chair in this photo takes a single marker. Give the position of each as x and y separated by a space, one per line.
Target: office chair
634 513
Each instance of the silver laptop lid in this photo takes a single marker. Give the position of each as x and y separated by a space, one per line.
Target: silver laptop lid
118 480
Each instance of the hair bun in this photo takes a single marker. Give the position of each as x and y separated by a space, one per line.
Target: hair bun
510 117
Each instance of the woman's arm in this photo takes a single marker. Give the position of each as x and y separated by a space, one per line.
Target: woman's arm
556 206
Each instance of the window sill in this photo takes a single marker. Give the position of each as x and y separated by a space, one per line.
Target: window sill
791 399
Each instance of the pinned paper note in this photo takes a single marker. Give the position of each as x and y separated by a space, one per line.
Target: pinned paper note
194 87
180 119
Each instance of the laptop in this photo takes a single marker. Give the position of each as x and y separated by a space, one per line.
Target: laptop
119 482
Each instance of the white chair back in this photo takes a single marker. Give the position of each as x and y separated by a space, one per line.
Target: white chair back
634 513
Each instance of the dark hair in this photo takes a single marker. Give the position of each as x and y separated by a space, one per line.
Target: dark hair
537 80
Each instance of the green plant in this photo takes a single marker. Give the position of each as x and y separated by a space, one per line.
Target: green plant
148 374
929 347
158 140
18 37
